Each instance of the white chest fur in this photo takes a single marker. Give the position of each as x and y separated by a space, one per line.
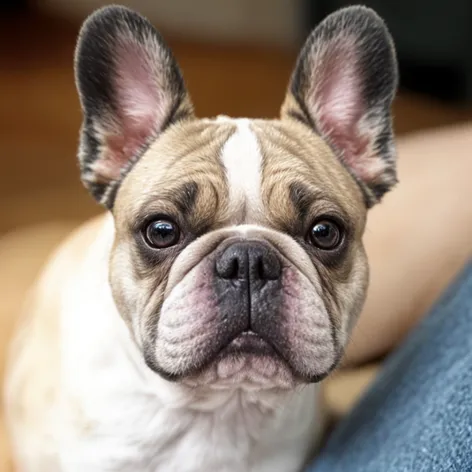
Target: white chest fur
120 416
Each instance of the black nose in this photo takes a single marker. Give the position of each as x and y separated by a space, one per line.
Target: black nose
248 261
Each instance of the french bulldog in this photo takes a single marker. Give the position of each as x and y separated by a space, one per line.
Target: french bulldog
188 328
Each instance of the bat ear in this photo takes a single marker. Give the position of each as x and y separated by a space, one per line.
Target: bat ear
131 90
343 86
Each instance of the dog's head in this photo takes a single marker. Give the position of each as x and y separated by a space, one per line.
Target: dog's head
238 255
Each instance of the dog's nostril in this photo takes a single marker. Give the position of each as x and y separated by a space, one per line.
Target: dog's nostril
260 267
247 261
232 269
228 266
268 266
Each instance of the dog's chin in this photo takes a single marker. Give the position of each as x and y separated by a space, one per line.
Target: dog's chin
249 363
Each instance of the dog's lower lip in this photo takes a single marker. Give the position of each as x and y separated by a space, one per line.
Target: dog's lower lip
249 342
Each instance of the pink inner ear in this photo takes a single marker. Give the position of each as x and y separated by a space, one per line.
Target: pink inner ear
336 98
142 106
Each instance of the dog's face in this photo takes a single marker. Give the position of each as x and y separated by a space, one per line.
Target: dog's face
238 256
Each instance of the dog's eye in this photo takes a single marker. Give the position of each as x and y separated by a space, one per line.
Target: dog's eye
161 234
325 234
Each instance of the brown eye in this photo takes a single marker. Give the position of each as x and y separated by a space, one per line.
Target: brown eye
326 235
161 234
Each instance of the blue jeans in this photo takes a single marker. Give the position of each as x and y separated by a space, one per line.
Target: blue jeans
417 417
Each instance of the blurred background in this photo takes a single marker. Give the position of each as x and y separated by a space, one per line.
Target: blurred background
236 56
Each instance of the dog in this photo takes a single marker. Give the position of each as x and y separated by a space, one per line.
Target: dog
187 329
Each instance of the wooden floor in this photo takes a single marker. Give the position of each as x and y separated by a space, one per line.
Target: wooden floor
40 118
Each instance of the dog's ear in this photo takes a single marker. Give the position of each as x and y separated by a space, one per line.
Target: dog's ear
130 89
343 85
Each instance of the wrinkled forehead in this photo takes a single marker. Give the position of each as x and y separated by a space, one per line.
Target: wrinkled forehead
238 171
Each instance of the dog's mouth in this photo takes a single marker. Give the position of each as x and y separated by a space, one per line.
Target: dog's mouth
249 343
248 361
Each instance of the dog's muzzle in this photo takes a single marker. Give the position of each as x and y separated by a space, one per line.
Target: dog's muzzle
248 278
243 308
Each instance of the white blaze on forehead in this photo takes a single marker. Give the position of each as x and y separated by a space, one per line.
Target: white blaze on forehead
242 159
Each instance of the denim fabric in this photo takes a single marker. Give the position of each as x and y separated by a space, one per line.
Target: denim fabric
417 417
